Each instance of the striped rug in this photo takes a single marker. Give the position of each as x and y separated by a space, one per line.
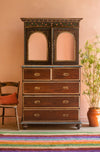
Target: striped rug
49 141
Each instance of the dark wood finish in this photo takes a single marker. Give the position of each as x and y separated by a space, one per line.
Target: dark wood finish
51 101
27 32
51 88
30 115
51 28
75 33
55 100
50 22
36 73
67 73
3 114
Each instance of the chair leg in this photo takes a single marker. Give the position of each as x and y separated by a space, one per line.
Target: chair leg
3 114
17 120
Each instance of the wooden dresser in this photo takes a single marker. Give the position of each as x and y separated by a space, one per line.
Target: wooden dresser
51 95
51 86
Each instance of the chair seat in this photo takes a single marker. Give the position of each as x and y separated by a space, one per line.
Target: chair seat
8 106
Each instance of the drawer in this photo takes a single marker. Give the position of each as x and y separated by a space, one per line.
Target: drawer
72 73
52 88
36 74
51 101
31 115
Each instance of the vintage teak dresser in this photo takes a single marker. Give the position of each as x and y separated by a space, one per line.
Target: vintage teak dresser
51 72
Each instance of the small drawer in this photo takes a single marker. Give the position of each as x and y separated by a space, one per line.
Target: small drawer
72 73
36 74
53 88
48 114
51 101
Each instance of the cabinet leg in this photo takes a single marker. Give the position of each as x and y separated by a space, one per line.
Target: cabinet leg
78 126
25 126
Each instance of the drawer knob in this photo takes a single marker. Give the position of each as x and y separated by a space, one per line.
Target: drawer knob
65 115
36 101
65 101
36 115
65 87
36 88
36 74
65 74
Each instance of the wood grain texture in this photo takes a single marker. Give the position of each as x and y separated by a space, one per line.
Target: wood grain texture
67 73
30 115
36 73
51 102
51 88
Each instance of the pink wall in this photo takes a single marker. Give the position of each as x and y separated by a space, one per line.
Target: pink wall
12 32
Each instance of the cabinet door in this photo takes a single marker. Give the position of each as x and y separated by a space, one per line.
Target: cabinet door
65 46
37 45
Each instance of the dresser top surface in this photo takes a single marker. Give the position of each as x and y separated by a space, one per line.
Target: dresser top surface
51 66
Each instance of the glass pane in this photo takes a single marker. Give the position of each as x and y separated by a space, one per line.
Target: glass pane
37 47
65 47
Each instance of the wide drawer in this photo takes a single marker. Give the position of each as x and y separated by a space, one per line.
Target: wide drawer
68 73
36 73
54 88
51 101
31 115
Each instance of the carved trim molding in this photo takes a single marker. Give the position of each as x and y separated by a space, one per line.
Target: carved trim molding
51 22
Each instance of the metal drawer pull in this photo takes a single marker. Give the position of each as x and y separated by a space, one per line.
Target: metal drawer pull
36 101
65 87
65 74
65 115
36 74
36 88
36 115
65 101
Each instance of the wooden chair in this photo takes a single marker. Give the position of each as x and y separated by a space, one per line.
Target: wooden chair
4 106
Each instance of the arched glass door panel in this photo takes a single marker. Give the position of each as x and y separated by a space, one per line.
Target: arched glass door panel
65 47
37 47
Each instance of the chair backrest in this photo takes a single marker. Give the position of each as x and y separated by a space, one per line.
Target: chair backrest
9 84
